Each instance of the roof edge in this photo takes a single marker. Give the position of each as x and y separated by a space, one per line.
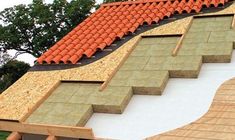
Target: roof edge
131 2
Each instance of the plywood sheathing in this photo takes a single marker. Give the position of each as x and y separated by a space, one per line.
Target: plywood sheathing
217 123
26 92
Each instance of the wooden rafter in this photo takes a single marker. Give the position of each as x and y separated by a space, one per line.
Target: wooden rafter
51 138
50 130
14 136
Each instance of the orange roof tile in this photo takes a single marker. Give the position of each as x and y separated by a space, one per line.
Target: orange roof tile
113 21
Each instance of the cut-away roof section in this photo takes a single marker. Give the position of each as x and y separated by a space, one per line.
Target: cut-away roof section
113 21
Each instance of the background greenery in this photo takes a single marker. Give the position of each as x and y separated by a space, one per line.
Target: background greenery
4 135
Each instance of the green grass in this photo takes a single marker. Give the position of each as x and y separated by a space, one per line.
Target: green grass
3 135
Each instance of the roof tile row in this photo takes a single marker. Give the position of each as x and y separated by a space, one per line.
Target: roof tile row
113 21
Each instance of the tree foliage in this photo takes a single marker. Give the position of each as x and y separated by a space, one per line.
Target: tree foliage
35 27
4 58
108 1
4 135
11 72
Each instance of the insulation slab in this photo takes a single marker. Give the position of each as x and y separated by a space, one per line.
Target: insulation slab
183 101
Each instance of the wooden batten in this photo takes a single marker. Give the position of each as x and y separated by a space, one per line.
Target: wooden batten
50 130
233 22
51 138
179 44
14 136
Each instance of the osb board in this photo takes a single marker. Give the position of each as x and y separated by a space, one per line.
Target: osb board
17 100
217 123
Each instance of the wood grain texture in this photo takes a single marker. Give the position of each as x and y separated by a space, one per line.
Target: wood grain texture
31 110
14 136
54 130
51 138
218 123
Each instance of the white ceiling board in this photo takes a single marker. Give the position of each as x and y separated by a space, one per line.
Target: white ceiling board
183 101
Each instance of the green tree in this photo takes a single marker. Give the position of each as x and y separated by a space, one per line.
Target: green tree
108 1
4 58
35 27
11 72
4 135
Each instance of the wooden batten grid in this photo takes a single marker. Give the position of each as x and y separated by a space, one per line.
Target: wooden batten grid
179 44
52 131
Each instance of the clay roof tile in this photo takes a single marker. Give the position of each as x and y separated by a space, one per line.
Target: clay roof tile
85 47
48 59
114 21
74 58
78 46
57 59
89 52
102 46
65 59
65 51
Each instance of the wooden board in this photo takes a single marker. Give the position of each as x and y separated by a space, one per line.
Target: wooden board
54 130
31 110
217 123
51 138
233 22
14 136
178 45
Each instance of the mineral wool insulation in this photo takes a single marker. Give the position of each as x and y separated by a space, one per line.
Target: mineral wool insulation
182 102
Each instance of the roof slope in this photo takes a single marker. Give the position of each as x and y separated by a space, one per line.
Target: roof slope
114 21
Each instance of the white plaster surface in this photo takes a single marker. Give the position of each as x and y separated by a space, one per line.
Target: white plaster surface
183 101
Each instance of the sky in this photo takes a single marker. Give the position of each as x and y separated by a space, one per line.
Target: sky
9 3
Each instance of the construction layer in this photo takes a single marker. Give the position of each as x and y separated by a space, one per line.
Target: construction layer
217 123
20 99
145 71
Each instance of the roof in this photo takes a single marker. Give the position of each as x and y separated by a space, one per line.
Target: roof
112 22
36 103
